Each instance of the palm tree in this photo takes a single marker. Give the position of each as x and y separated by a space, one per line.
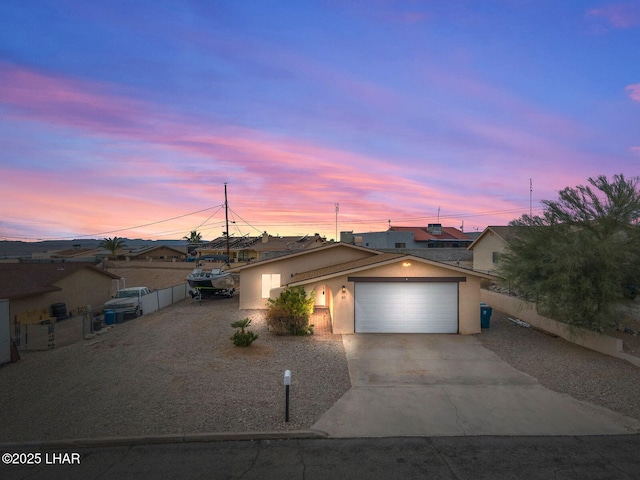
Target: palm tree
194 237
113 245
193 241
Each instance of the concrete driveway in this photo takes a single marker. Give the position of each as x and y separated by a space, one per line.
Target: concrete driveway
450 385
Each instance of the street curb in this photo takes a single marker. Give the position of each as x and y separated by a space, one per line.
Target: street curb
162 439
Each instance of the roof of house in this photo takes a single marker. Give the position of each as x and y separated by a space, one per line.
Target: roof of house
146 250
272 244
278 244
76 252
370 262
18 280
504 232
235 243
331 270
322 248
422 234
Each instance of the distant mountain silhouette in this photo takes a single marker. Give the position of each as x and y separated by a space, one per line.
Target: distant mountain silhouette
9 249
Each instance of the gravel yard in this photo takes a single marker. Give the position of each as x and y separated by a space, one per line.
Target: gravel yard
175 371
565 367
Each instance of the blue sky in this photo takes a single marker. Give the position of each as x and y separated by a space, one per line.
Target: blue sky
126 118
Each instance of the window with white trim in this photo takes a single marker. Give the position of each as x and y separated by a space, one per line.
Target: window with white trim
269 281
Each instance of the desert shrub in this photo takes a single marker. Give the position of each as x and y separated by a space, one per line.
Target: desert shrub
290 312
242 337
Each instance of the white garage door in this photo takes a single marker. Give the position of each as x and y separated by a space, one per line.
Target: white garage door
413 307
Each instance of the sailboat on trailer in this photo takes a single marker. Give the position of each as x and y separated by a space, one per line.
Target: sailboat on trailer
215 282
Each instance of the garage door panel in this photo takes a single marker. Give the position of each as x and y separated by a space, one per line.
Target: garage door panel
406 307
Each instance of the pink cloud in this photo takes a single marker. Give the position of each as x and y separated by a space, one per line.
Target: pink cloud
634 91
286 175
621 15
62 100
276 183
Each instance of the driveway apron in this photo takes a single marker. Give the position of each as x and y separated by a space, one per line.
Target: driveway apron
450 385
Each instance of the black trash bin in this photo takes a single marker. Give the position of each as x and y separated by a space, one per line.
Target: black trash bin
485 316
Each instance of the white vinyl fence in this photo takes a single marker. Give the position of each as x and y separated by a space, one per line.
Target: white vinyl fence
163 298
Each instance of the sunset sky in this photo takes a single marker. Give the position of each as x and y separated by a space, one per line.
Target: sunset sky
126 118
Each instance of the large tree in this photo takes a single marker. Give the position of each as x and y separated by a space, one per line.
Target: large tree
113 245
582 255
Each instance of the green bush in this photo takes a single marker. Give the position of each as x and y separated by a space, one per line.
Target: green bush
242 337
290 312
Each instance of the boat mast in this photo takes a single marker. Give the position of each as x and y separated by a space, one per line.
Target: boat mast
226 217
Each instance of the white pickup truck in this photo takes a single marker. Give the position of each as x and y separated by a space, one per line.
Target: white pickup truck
128 300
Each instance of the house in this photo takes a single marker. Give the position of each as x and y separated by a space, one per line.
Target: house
488 247
34 286
75 254
434 242
366 290
432 236
158 252
247 249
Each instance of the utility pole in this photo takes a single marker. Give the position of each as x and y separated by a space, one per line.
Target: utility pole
226 218
530 196
337 210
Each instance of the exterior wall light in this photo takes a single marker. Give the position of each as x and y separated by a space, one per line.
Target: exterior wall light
406 264
344 289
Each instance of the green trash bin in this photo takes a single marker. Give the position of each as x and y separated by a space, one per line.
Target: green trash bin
485 316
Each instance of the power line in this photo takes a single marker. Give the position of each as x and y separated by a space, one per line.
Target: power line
256 226
247 223
208 218
402 219
93 235
152 223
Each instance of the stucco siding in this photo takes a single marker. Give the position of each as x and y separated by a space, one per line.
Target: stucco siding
82 288
251 278
343 305
469 306
483 252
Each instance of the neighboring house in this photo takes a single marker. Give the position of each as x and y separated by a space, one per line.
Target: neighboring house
247 249
369 291
434 242
157 252
34 286
75 254
432 236
488 247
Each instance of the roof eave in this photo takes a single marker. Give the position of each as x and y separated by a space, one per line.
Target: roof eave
302 252
466 271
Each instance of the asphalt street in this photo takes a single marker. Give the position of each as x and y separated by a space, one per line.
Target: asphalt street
488 457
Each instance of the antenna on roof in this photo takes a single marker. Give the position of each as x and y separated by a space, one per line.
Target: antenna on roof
226 216
438 214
